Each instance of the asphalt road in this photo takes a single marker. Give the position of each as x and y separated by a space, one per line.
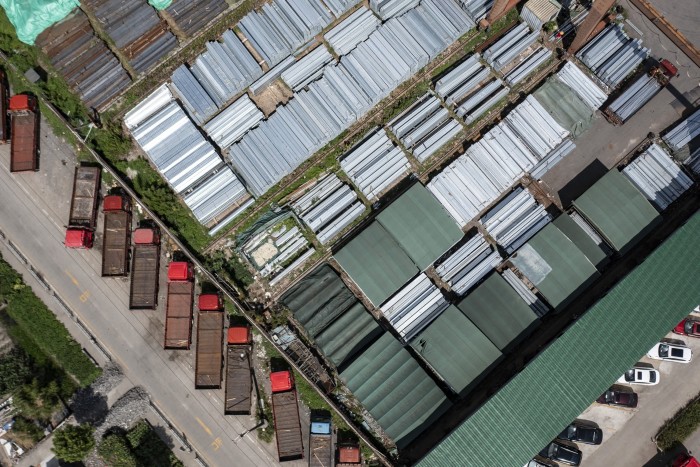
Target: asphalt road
33 212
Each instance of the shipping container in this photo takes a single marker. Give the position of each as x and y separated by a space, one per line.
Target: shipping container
285 410
178 311
116 236
145 263
4 121
24 133
320 442
210 334
239 382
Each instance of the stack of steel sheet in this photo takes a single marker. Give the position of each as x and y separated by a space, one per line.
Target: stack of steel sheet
148 106
462 80
538 306
424 127
328 207
234 122
468 264
552 159
191 16
414 307
136 29
386 9
226 68
693 161
218 199
612 55
656 175
633 98
582 85
352 30
85 62
198 103
482 100
338 7
375 164
508 47
514 220
308 68
280 27
272 75
477 9
535 127
684 132
529 65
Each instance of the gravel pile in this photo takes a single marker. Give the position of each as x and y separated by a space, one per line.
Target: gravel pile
130 408
89 405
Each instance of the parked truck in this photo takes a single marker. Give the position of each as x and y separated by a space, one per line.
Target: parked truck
83 207
239 382
116 236
320 442
347 452
24 133
178 311
210 334
4 120
145 264
285 410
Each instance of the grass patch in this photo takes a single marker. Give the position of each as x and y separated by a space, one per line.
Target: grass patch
266 434
680 426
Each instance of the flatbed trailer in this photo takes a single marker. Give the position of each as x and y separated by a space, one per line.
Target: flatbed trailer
83 205
116 236
320 442
239 382
24 133
210 336
285 410
145 264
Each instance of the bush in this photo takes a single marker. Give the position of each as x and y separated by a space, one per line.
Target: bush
680 426
110 141
149 449
37 401
73 443
27 428
16 369
233 267
115 450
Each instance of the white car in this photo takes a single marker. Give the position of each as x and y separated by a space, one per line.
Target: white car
640 375
671 353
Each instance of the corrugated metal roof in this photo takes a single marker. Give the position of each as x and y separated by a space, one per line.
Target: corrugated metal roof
498 311
456 349
555 265
421 225
595 254
618 210
598 348
395 389
375 261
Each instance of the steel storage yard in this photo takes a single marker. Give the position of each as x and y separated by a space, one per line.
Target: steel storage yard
208 360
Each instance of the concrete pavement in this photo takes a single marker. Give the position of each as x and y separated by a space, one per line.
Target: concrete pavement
33 212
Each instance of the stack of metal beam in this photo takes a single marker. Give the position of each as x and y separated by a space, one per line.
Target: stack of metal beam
414 307
657 176
514 220
234 122
512 44
633 98
218 199
684 132
309 68
386 9
282 26
328 207
468 264
477 9
553 158
482 100
191 16
462 80
529 65
338 7
352 30
272 75
375 164
424 127
612 55
198 103
136 29
535 127
226 68
582 85
538 306
85 62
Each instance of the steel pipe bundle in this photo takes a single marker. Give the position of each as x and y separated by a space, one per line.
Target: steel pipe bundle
635 97
338 7
234 122
582 85
352 30
514 220
656 175
535 304
198 103
493 87
192 16
684 132
308 68
476 113
529 65
414 307
468 264
512 44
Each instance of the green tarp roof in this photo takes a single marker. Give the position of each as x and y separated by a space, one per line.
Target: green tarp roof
31 17
618 210
456 349
565 106
580 365
376 263
498 311
398 393
582 240
421 225
556 266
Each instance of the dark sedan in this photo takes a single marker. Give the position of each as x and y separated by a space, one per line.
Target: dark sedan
581 433
561 453
622 399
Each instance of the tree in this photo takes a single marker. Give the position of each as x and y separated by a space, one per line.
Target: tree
16 369
35 401
115 450
73 443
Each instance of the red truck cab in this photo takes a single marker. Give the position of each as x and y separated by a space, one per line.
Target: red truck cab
685 460
79 238
180 271
281 381
239 335
210 302
668 68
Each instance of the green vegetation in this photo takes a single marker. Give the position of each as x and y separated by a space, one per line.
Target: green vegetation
266 434
26 432
232 267
312 399
139 447
16 370
37 401
73 443
680 426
